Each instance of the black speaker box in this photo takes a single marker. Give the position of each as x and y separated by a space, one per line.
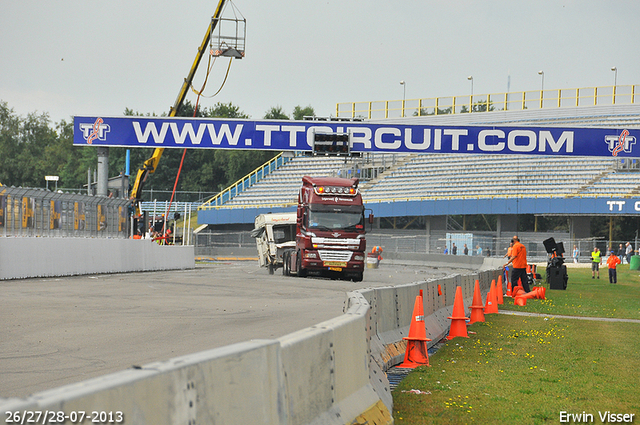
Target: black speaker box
557 277
549 245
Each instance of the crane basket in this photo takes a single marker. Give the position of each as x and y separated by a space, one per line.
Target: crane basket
228 37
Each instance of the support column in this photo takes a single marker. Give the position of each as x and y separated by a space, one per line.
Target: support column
435 226
610 233
506 227
427 228
579 228
103 171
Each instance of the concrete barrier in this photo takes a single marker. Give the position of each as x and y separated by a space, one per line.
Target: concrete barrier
48 257
434 260
330 373
239 384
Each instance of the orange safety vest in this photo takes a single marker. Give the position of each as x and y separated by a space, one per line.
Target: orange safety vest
613 261
520 254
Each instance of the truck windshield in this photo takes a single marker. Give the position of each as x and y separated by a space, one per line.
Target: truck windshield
340 220
284 233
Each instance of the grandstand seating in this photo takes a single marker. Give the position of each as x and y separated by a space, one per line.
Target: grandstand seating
614 184
456 176
282 186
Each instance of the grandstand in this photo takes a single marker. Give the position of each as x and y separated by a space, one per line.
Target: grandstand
404 177
428 191
281 187
418 176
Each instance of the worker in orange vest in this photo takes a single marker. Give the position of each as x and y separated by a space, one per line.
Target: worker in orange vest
518 259
612 262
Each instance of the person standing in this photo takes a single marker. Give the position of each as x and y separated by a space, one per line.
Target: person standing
478 250
596 260
628 252
612 262
621 252
507 256
466 250
518 259
576 254
454 250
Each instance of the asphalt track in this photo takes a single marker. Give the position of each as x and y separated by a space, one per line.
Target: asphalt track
64 330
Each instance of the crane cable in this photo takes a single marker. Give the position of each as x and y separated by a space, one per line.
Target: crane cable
199 93
195 111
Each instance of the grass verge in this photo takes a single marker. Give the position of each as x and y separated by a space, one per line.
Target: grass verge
590 297
527 370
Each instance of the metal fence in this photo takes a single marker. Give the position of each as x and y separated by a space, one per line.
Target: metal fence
39 212
160 207
513 101
207 243
435 243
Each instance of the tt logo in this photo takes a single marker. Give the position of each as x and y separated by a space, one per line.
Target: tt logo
621 143
95 131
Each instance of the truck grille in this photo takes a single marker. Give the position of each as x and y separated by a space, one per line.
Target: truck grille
334 255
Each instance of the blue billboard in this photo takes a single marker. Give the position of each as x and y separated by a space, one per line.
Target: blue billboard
208 133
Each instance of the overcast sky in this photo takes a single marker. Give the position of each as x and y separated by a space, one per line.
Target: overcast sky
96 58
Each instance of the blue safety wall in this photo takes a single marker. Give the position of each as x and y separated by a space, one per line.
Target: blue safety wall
560 206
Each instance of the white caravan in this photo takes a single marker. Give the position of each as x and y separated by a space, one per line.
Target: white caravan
274 234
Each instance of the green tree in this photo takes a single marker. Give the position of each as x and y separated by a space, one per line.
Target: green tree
299 112
424 111
276 113
30 149
480 106
9 130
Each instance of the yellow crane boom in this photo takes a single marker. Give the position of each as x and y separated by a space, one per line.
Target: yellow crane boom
151 164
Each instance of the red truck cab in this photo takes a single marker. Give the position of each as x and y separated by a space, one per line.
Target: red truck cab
330 230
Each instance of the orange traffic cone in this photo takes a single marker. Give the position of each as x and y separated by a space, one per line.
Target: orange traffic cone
500 289
520 282
509 293
491 306
458 319
518 290
416 352
439 290
477 315
522 298
536 293
521 301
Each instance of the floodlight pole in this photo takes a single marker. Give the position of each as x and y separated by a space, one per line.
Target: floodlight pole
470 78
541 72
404 95
615 82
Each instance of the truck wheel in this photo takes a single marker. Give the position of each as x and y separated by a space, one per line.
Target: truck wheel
286 271
270 268
358 278
301 272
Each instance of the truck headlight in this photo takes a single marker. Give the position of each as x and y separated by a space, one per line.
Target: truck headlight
310 255
358 257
